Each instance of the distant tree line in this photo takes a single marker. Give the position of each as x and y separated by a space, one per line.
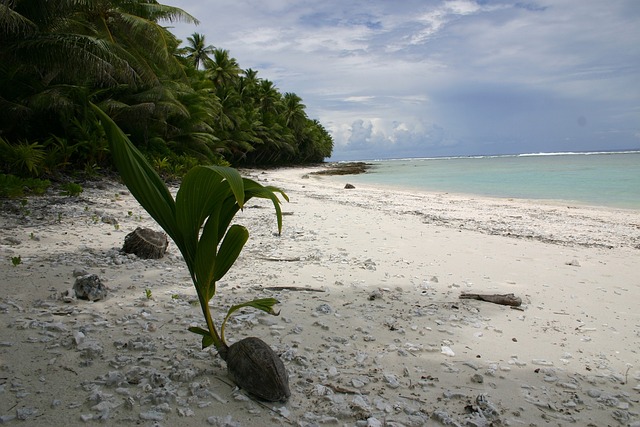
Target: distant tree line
181 106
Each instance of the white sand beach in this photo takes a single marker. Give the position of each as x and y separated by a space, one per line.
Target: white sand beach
379 338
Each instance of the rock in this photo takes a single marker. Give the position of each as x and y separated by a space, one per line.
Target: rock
477 378
223 421
90 287
152 416
109 220
77 272
146 243
447 351
391 380
12 240
26 413
324 309
376 294
349 186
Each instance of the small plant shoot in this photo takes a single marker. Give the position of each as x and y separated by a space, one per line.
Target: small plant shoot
199 223
71 189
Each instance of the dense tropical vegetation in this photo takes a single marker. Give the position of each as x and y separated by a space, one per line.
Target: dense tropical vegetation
181 106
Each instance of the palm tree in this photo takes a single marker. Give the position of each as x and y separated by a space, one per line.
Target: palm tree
56 55
198 51
222 69
293 111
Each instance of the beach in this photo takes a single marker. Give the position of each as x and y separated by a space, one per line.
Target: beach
372 329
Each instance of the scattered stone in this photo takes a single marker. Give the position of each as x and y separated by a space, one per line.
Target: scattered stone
90 287
223 421
26 413
574 262
349 186
79 272
4 419
447 351
109 220
152 415
324 309
391 380
376 294
186 412
477 378
374 422
12 240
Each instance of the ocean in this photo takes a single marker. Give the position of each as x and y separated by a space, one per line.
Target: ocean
599 179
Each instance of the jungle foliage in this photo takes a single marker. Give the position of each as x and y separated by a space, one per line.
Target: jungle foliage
181 105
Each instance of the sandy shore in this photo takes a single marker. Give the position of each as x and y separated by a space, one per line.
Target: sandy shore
379 338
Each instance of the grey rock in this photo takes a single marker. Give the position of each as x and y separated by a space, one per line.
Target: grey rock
12 240
90 287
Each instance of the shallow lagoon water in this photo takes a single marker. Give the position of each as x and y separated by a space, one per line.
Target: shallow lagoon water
602 179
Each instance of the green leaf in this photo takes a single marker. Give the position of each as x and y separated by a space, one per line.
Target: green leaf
254 189
138 175
264 304
230 249
207 339
201 192
207 257
235 181
198 330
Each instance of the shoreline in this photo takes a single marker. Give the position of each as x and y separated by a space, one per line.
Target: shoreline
381 335
468 211
581 181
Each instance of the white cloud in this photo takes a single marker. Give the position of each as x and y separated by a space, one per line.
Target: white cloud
429 76
359 98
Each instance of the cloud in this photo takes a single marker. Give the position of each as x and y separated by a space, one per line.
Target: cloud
436 19
443 77
376 138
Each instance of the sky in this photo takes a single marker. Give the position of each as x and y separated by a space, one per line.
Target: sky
428 78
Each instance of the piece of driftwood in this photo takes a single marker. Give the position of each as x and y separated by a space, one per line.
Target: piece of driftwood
292 288
340 389
146 243
280 259
503 299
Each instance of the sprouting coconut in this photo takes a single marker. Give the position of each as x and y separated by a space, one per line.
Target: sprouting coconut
199 223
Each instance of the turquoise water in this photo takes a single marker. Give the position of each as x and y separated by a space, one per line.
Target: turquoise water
603 179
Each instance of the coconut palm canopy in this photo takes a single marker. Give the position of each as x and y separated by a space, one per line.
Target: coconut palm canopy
180 106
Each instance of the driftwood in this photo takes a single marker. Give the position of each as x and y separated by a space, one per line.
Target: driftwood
504 299
292 288
146 243
280 259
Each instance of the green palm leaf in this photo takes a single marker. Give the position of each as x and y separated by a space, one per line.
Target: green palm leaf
192 209
264 304
143 182
230 249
